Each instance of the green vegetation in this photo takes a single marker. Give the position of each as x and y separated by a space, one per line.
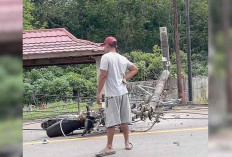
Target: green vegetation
29 22
79 80
135 23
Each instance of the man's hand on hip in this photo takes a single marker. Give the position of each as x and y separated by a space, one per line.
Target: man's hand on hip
99 99
124 80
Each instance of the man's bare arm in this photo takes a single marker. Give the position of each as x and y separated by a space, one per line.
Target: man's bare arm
101 80
132 71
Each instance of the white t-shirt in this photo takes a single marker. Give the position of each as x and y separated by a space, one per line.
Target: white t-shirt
116 65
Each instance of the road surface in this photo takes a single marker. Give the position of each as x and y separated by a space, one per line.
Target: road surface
170 138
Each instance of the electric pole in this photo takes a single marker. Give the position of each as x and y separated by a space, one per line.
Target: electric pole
177 49
189 53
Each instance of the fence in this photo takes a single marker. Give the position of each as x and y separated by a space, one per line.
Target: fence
42 106
47 106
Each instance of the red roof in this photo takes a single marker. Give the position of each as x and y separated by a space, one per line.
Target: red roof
46 41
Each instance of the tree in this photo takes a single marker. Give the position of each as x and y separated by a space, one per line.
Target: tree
29 22
149 64
134 23
28 19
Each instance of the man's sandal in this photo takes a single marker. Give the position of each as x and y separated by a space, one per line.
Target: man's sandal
130 147
105 153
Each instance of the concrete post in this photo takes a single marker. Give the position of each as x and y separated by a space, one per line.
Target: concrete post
154 99
184 99
165 48
98 61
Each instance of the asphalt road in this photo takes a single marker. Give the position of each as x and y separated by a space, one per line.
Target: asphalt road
169 138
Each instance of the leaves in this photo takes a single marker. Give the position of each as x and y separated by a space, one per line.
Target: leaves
66 80
29 20
135 23
149 64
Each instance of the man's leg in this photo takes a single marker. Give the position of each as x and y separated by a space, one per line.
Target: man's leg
125 131
125 115
108 150
110 136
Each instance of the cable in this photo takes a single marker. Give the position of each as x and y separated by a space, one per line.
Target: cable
156 121
183 112
62 128
146 129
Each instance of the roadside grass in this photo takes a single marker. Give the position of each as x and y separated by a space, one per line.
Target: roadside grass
56 109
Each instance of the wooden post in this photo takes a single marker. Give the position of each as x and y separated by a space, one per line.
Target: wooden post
177 49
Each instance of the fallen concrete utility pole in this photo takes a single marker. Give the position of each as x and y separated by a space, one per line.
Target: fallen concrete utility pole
158 90
146 109
153 101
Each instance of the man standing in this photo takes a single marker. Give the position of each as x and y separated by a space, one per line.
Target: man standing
113 75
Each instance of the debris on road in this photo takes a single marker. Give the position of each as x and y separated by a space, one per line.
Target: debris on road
177 143
45 141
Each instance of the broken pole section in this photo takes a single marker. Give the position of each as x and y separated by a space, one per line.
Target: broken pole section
177 49
154 99
165 48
